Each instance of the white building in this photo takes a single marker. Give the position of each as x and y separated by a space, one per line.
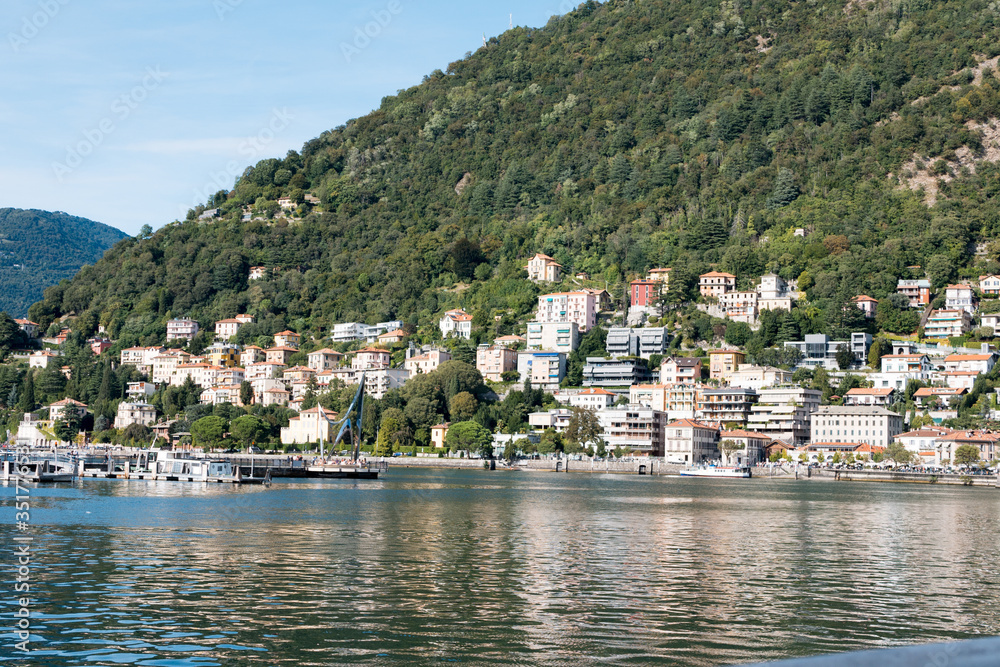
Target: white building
544 370
861 424
884 396
324 359
960 297
898 369
493 362
310 426
557 419
784 413
593 399
182 329
758 377
948 324
349 331
687 441
989 285
580 307
371 358
634 428
553 336
134 413
141 357
456 323
41 358
226 329
427 362
542 268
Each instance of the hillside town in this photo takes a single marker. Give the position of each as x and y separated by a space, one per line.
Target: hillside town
649 397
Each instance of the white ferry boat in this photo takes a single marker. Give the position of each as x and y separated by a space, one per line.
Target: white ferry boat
717 471
40 471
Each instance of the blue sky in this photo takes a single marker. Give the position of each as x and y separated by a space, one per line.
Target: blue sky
128 111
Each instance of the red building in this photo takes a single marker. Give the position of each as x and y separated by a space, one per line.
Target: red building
644 292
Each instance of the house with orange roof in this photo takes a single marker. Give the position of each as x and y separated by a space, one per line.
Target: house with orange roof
456 323
226 329
392 337
426 362
660 275
716 283
883 396
324 359
280 354
310 426
930 397
542 268
867 305
438 434
61 408
984 441
687 441
753 446
251 355
287 339
594 398
371 358
41 358
493 362
512 341
28 327
989 285
960 297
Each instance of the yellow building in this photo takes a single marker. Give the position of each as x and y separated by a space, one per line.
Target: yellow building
723 363
438 434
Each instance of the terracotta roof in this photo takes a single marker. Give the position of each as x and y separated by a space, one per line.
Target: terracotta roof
903 356
283 348
938 391
70 401
286 333
869 449
865 297
548 260
870 392
925 433
458 315
726 352
372 349
326 350
394 334
689 423
962 286
596 392
444 425
660 270
968 357
717 274
744 434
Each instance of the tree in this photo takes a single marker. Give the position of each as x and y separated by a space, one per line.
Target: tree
27 401
785 190
729 447
249 430
583 429
550 442
738 334
880 347
246 393
966 455
462 406
67 426
898 453
208 430
137 434
470 436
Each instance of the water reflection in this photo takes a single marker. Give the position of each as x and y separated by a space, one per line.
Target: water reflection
507 568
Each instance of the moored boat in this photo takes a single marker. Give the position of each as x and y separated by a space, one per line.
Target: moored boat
717 471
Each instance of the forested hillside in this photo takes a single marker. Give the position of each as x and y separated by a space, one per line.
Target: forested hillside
38 249
623 136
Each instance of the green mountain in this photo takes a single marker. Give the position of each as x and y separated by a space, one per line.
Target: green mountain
622 136
38 249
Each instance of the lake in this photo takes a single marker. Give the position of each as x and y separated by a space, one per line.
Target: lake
513 568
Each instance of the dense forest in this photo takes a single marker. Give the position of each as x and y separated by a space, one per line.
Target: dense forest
39 249
622 136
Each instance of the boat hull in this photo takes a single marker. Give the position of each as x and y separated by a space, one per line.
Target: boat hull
725 473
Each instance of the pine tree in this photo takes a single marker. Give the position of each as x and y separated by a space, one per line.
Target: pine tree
785 190
789 328
27 402
621 170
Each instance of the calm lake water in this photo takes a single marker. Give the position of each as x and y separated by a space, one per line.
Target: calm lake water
517 568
